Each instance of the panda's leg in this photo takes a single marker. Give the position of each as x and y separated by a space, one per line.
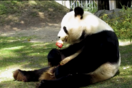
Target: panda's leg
104 72
27 76
48 75
70 81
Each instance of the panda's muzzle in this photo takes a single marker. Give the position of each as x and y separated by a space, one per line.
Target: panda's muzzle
65 31
64 38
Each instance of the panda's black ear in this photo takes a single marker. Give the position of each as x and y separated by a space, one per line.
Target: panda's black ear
79 11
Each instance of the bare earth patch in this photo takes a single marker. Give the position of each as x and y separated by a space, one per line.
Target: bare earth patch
37 34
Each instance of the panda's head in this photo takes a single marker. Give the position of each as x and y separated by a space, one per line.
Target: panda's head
77 24
71 26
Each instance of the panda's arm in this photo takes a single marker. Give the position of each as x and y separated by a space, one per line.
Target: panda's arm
73 66
63 70
72 49
55 56
79 64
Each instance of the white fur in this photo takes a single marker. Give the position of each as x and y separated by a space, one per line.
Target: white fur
75 26
105 71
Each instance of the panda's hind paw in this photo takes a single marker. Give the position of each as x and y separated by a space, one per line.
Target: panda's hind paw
19 76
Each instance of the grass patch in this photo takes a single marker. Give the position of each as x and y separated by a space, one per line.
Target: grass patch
19 52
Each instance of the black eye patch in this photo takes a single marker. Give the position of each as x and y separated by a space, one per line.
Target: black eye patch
65 30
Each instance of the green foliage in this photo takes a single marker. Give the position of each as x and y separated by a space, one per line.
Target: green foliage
2 9
122 24
87 6
91 7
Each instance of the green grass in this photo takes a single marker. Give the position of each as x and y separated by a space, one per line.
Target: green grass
20 53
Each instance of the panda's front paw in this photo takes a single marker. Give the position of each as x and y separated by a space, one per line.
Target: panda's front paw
54 57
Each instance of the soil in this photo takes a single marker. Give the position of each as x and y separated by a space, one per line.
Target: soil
39 34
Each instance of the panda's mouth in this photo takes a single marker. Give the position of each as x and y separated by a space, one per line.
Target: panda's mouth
65 39
68 39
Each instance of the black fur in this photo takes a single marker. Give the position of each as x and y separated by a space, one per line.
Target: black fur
98 48
83 35
65 30
79 11
54 57
32 75
69 81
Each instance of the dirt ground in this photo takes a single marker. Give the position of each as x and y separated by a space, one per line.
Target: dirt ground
39 34
41 21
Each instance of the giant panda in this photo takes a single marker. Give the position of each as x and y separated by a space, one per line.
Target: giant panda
92 55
